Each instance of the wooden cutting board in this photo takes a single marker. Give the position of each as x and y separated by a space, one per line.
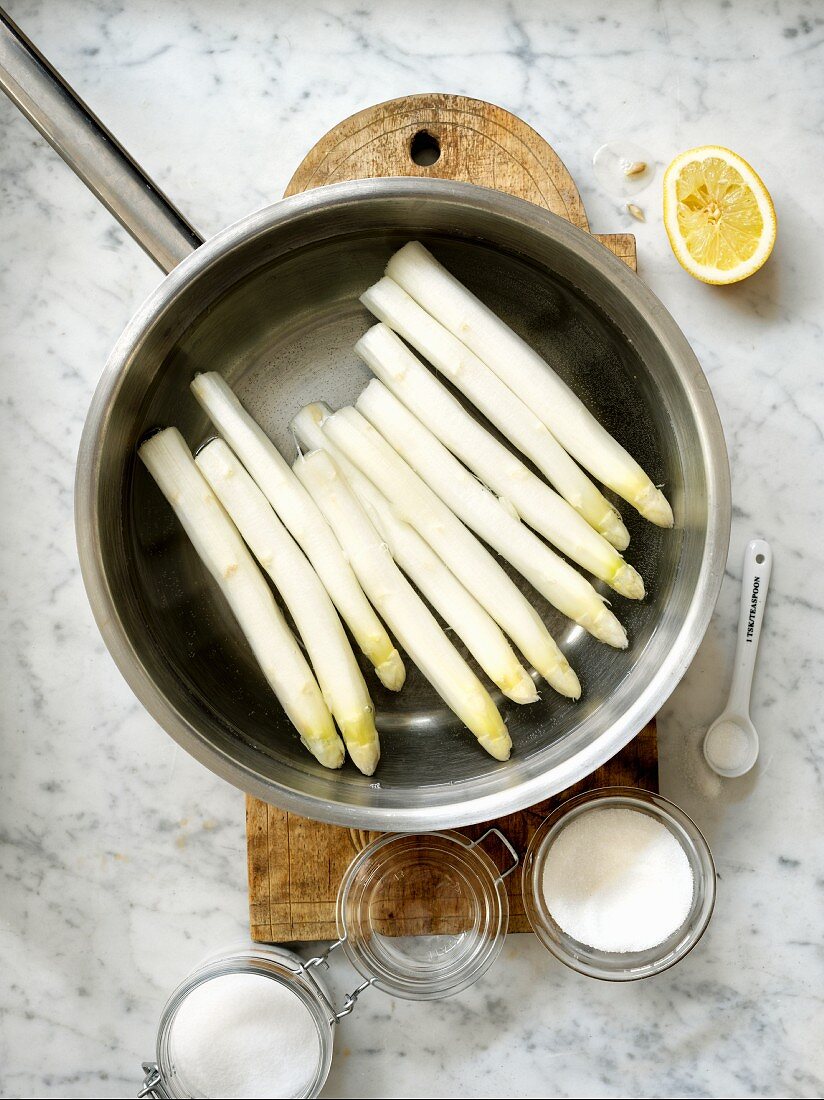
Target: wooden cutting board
296 865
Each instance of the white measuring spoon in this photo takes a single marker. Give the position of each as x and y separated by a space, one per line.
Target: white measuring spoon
731 742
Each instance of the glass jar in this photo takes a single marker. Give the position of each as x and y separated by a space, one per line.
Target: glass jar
451 943
168 1076
612 965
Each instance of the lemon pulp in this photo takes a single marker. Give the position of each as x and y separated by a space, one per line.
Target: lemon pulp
718 214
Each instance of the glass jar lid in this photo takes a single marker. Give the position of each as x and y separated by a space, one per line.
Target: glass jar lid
422 916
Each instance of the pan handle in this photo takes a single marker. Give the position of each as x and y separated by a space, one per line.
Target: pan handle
85 144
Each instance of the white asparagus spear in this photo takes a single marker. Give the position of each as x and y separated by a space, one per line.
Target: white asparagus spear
221 549
313 612
391 304
481 634
482 512
456 546
528 375
303 520
404 610
542 508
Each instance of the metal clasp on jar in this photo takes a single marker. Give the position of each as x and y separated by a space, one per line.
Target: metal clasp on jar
494 831
350 1000
153 1083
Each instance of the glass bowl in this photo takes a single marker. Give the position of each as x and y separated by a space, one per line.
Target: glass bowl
447 943
621 966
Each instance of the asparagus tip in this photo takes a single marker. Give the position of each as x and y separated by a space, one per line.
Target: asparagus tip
656 508
520 687
609 630
330 753
628 582
564 679
391 671
484 719
365 757
361 739
613 529
497 741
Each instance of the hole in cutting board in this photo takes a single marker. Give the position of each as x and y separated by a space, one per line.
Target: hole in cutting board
424 148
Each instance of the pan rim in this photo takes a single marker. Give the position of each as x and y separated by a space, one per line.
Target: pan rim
530 789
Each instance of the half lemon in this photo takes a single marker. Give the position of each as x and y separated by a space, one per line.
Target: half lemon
718 214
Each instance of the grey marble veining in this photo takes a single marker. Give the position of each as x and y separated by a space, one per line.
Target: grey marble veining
122 860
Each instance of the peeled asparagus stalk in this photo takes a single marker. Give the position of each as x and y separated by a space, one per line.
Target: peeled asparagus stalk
457 547
309 604
483 513
481 634
401 606
544 510
221 549
303 520
391 304
529 376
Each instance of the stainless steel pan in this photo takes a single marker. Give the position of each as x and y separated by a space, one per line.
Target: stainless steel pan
272 302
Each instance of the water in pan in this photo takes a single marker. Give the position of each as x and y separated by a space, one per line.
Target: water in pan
290 342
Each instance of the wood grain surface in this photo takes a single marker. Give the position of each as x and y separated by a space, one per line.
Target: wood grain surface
296 865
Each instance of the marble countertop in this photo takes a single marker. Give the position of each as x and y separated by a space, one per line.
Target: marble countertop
122 860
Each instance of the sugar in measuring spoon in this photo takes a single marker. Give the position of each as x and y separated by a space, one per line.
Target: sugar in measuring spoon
731 743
